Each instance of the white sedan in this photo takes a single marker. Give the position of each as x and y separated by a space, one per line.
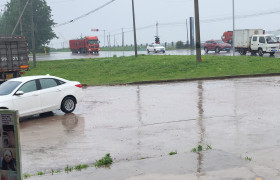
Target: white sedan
155 48
38 94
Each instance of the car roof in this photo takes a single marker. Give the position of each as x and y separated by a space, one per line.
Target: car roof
28 78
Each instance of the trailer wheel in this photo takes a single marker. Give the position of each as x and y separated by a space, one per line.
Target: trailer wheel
253 53
271 53
260 52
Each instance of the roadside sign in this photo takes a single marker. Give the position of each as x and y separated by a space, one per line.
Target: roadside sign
10 157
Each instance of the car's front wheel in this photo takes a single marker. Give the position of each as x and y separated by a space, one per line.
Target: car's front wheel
260 52
68 105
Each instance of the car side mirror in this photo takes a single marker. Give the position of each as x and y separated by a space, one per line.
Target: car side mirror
19 93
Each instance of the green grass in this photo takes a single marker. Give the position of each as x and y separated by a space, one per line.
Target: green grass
105 161
173 153
40 173
121 70
81 166
248 158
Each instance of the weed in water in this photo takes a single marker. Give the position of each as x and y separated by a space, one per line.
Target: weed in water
193 150
105 161
199 148
27 176
173 153
81 166
208 147
58 171
68 169
248 158
40 173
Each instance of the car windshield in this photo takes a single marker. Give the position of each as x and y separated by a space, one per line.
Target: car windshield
157 45
93 42
220 42
8 86
271 39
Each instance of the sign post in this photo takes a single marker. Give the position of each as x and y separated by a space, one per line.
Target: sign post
10 153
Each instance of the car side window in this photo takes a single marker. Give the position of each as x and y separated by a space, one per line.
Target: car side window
30 86
255 38
47 83
262 40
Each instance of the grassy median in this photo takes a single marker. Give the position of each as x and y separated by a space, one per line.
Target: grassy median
121 70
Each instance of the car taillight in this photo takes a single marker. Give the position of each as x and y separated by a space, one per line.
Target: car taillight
78 85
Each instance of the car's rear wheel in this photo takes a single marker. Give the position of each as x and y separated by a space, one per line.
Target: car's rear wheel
155 51
148 51
68 105
271 54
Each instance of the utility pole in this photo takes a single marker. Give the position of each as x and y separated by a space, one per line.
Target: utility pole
157 29
187 33
104 38
134 29
20 23
197 31
122 38
19 19
233 29
33 36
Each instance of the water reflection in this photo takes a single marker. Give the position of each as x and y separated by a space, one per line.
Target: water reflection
200 126
70 122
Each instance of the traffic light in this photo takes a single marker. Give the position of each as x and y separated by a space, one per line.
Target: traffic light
157 40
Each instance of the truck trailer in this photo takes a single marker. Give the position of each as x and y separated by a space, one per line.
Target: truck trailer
255 41
85 45
13 57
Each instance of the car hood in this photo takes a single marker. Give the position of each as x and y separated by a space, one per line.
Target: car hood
4 98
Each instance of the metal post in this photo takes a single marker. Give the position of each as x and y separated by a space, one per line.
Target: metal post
187 33
197 31
33 36
134 29
104 38
233 29
122 38
157 29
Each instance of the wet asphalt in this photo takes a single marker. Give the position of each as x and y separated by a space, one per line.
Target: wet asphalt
139 125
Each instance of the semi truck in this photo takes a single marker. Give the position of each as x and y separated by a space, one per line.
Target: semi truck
88 44
14 59
255 41
227 37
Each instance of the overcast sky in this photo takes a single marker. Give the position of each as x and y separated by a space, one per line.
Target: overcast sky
171 15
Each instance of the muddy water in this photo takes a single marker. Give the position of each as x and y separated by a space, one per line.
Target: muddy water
140 125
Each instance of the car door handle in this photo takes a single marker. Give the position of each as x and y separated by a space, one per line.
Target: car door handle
58 90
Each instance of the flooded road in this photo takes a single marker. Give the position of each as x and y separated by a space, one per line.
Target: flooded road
139 125
102 54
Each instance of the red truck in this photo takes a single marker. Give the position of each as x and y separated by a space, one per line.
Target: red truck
227 37
89 44
13 57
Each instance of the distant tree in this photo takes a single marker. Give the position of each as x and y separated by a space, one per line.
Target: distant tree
43 22
179 45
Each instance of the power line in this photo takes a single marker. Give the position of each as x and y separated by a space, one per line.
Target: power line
82 16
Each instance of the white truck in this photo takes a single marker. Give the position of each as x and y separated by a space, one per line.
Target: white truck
255 41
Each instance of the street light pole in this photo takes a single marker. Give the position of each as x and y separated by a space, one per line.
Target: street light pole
134 29
233 29
197 31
